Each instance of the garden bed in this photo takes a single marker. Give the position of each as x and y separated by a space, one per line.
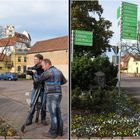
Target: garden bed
6 130
110 125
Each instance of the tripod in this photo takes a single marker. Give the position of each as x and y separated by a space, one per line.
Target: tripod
35 105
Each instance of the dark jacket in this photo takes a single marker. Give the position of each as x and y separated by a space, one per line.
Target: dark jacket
39 71
53 79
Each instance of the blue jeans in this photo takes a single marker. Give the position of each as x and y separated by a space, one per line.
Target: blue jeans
42 99
53 103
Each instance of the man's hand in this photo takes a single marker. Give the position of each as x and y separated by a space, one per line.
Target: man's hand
34 71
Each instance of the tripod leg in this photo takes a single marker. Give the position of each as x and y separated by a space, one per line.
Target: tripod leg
37 113
32 109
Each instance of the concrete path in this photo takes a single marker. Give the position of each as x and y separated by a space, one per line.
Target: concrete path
14 108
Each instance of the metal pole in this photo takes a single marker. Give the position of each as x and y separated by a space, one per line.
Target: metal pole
72 41
119 66
15 60
119 73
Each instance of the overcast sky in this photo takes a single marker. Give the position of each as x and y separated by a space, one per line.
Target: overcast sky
42 19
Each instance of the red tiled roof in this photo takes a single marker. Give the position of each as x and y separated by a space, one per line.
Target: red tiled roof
7 41
136 57
12 40
19 35
55 44
127 56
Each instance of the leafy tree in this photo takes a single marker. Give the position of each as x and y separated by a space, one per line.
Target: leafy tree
103 64
82 72
84 69
86 15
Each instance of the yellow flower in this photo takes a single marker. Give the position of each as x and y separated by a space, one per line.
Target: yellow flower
10 132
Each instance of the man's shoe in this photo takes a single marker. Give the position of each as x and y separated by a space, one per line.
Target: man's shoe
28 122
44 122
49 135
60 133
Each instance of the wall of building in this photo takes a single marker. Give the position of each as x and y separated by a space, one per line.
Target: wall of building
58 58
133 66
3 67
16 63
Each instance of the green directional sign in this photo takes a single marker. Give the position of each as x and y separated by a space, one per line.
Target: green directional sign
130 8
132 28
83 38
118 12
128 35
128 21
129 4
128 24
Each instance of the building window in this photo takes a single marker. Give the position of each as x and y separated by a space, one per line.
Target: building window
19 59
0 68
19 68
24 69
25 59
25 51
19 51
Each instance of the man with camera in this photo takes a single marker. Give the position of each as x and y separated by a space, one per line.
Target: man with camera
53 79
38 69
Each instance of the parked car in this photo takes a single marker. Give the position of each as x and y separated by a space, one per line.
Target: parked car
8 76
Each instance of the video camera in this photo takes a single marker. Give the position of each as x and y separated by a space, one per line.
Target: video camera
29 70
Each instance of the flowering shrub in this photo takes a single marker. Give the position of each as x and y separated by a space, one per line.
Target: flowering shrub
6 129
110 125
2 121
104 100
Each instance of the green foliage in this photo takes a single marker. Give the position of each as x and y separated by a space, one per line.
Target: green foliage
109 125
6 129
104 101
83 18
103 64
2 121
84 69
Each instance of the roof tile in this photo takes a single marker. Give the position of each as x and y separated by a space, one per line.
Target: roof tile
55 44
10 41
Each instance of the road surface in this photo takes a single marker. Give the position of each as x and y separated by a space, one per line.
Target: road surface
14 96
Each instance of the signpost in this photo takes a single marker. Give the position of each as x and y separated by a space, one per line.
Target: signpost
128 21
115 49
115 59
127 15
118 12
81 38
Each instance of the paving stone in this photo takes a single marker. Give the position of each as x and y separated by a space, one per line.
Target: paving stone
13 108
2 138
106 138
131 138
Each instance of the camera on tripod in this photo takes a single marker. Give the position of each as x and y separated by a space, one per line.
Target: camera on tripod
29 70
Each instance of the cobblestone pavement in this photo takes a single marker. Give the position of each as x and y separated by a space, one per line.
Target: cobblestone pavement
14 108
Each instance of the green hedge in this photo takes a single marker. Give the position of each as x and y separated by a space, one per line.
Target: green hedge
84 69
104 101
